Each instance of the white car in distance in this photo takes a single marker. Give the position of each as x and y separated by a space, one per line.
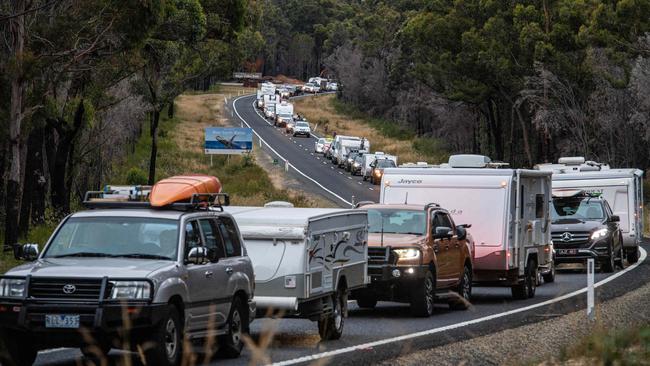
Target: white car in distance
311 88
321 144
302 128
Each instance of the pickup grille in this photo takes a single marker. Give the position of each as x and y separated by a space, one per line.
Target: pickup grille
381 255
84 289
576 239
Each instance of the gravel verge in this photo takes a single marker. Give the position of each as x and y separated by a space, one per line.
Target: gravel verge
539 342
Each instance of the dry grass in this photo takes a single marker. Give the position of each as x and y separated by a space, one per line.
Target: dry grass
321 112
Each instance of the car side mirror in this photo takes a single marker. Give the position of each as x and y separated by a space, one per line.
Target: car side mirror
197 255
462 233
29 252
615 218
442 232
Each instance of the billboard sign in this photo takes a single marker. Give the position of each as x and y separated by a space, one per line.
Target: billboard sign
247 75
228 141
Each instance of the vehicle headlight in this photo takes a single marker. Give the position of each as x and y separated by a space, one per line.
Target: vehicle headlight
601 233
12 287
130 290
407 253
356 165
377 172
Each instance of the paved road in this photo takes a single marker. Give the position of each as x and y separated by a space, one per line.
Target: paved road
335 183
389 330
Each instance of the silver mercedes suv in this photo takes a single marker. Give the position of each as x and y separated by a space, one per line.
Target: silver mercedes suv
130 276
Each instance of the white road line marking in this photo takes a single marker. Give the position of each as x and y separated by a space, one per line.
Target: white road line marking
404 337
370 188
276 153
332 167
341 173
349 177
52 350
359 183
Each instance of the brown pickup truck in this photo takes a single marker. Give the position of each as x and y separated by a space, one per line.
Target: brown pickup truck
416 254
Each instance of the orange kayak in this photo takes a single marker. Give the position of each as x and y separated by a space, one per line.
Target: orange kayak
181 188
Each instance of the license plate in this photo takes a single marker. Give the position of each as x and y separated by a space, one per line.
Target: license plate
61 321
568 251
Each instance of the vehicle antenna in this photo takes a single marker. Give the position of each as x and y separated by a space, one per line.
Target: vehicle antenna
406 199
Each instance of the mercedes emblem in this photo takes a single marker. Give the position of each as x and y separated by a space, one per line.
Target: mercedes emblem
566 237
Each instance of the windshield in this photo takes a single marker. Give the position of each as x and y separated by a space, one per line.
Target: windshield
138 237
385 163
397 221
577 208
302 124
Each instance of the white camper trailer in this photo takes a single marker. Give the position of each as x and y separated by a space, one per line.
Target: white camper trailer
265 89
621 188
269 105
508 210
306 260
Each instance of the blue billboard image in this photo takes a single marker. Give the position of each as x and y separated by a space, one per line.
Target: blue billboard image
227 140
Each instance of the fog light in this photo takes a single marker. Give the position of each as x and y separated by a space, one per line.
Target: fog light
396 273
410 270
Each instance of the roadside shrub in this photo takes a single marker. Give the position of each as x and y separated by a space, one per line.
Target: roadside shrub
431 146
136 176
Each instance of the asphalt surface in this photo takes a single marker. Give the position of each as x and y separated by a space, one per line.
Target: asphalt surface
369 334
335 184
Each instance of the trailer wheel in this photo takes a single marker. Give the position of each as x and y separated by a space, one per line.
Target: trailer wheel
526 289
423 296
550 275
331 327
633 255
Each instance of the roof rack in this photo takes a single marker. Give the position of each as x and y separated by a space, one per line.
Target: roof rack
198 201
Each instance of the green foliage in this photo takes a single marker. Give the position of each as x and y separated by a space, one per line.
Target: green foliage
387 128
136 176
613 347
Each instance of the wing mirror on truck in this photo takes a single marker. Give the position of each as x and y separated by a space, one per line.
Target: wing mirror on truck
197 255
615 218
28 252
462 233
443 232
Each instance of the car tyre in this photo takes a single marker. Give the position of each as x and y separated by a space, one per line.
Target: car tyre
633 255
621 256
165 344
549 276
464 289
526 289
18 351
331 327
367 301
609 264
423 296
231 344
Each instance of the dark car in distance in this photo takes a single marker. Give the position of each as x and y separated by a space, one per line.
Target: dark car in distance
583 226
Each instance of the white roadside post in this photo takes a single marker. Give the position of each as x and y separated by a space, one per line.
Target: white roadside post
286 165
590 289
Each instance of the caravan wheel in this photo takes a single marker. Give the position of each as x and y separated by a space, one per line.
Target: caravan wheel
331 327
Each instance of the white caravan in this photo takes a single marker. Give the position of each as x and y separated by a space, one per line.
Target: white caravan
621 188
269 105
283 113
305 260
508 210
265 89
344 144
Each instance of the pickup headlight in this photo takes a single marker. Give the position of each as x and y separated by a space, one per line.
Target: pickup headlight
356 165
601 233
377 172
349 160
407 253
130 290
12 287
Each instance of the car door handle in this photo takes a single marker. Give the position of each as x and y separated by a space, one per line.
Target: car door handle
229 270
208 274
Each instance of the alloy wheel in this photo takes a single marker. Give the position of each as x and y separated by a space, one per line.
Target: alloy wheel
171 338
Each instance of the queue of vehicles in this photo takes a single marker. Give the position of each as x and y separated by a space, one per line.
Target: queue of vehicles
175 266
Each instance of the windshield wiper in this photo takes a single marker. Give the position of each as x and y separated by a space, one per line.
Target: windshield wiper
81 254
142 255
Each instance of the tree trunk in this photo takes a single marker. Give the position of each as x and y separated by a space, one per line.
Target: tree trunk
33 173
170 110
16 115
155 118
